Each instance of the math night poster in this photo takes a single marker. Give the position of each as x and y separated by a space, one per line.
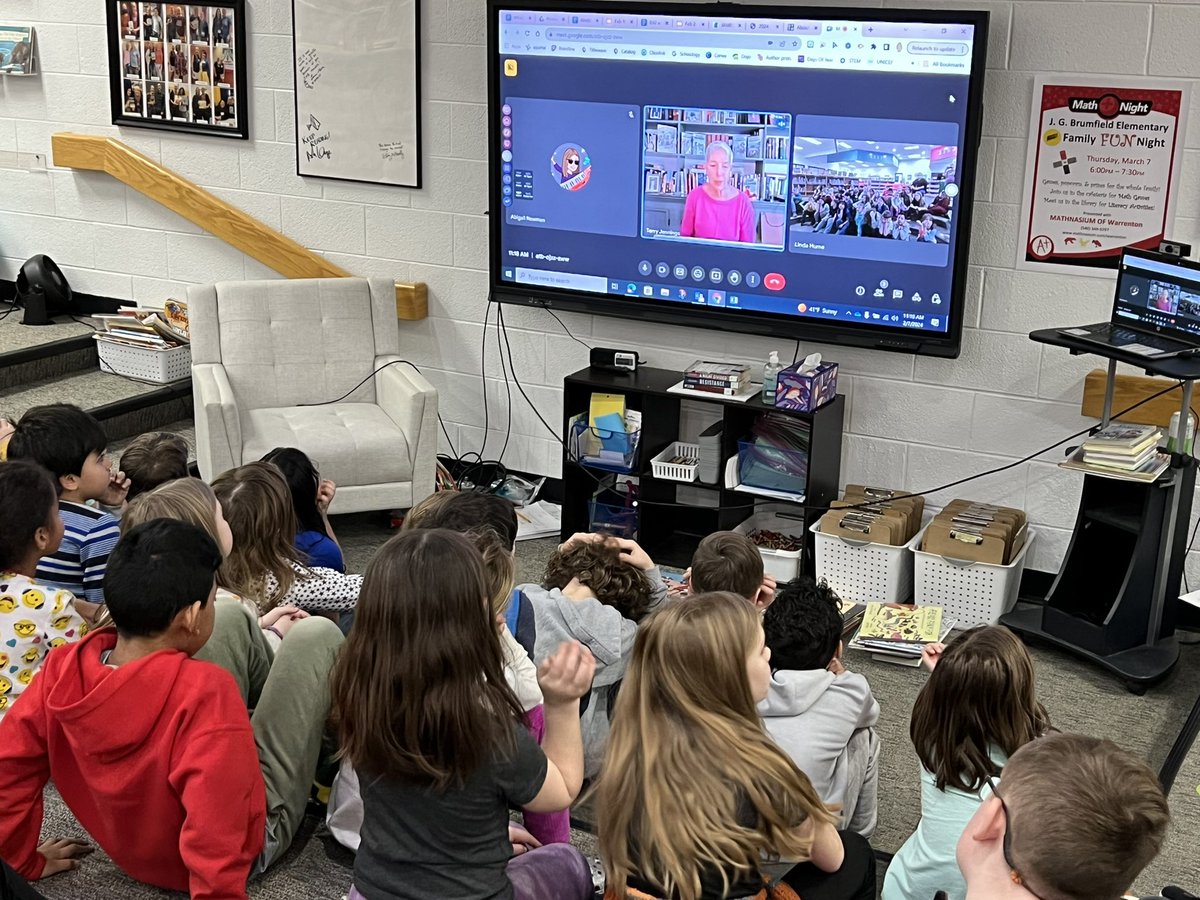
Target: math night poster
1102 170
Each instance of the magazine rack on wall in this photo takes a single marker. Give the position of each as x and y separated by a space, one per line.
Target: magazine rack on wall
1114 601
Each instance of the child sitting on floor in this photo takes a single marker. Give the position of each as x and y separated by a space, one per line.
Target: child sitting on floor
820 714
463 511
154 458
1076 818
191 500
153 750
265 566
428 721
694 795
345 814
311 496
33 618
977 709
490 523
596 590
72 446
728 561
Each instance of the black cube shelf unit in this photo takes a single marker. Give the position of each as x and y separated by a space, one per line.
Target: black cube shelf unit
670 529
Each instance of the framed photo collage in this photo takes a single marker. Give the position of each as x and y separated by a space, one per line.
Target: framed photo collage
179 67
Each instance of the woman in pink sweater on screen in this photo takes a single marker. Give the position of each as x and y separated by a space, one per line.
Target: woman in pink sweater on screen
716 209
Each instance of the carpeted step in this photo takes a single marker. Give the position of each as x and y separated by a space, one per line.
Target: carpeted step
124 406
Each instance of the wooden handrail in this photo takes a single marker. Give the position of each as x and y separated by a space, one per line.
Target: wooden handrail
198 206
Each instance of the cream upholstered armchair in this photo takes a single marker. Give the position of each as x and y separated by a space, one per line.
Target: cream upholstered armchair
264 352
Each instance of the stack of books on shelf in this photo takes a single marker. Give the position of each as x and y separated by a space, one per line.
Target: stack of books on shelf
726 379
897 633
154 329
1121 451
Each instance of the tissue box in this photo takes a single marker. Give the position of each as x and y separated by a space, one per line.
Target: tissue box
806 391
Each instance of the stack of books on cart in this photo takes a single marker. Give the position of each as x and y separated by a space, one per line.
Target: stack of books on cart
1121 451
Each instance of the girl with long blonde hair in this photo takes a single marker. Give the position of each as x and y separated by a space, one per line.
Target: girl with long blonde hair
695 799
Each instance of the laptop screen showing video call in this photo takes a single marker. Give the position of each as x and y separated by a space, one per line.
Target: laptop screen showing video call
1159 294
793 167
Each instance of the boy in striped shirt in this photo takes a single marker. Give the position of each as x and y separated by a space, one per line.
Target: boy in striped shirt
71 444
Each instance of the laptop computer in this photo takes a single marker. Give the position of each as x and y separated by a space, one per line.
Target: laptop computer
1156 308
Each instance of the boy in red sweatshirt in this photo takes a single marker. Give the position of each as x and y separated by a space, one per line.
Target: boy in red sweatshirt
154 751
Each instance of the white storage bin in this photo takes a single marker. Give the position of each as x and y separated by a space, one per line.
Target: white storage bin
145 363
863 571
782 565
662 467
971 593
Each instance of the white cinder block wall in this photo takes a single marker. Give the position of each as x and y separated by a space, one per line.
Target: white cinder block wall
912 422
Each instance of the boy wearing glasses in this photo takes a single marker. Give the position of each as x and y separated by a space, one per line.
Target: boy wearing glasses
1075 818
71 444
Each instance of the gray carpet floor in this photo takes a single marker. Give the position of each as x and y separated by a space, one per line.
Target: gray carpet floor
1078 697
15 336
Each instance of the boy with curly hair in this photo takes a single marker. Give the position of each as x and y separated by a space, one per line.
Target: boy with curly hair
822 715
596 590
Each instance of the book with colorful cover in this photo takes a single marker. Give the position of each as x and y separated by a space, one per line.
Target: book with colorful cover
893 622
900 652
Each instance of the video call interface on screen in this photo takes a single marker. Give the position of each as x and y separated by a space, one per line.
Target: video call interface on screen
1159 293
786 166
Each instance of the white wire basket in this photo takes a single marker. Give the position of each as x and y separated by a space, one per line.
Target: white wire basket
662 467
145 363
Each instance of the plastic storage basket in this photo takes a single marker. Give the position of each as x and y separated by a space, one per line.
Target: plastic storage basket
662 467
145 363
602 449
782 565
971 593
863 571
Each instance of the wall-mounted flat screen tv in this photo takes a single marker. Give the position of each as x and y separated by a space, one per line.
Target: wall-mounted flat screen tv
804 172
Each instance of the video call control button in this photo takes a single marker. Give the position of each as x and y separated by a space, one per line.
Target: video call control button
662 270
772 281
698 273
680 271
734 277
715 275
753 279
644 267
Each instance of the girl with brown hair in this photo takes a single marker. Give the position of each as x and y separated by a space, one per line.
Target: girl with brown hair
265 567
695 798
977 709
191 500
438 739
